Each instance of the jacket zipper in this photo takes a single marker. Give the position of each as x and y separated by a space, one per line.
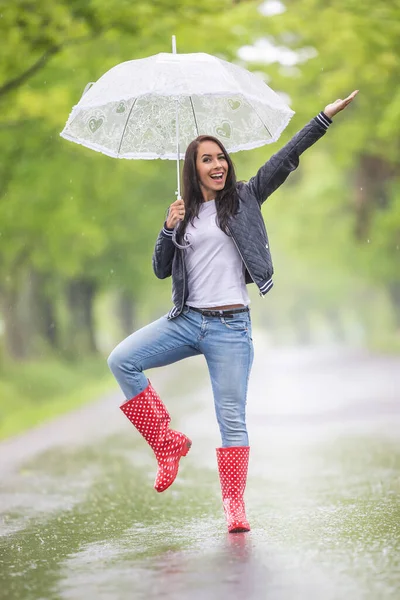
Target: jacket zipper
244 262
184 280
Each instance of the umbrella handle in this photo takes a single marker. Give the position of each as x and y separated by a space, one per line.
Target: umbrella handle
180 246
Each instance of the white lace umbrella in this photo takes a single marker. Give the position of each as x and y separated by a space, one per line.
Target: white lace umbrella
154 107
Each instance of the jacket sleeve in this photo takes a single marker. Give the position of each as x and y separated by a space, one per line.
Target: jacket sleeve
163 253
276 170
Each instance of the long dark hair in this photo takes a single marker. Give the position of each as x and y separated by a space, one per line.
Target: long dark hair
226 200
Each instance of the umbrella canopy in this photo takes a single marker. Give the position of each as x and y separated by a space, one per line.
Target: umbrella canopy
135 109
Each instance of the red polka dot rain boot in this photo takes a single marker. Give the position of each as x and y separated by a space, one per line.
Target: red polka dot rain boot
150 417
232 466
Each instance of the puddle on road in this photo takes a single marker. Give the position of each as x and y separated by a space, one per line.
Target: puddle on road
325 524
116 508
323 500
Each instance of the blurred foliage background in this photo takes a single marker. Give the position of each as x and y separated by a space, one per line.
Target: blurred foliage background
77 229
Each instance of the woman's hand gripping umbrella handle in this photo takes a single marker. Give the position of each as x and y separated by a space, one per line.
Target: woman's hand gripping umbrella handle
175 215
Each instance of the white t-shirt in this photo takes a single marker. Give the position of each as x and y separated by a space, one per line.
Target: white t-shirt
216 273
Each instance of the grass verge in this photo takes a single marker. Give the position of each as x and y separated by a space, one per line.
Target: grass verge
35 392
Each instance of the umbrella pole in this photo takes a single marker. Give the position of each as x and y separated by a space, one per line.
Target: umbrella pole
178 193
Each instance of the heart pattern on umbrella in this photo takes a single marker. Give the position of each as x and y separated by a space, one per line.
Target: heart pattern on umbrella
131 111
224 130
234 104
121 108
95 124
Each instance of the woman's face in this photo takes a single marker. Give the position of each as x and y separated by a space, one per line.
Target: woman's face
212 168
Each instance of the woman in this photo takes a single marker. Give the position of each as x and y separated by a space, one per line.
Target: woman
221 246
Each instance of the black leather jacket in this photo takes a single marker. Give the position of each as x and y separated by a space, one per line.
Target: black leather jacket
247 227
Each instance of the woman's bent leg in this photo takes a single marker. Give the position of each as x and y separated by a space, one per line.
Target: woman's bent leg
161 343
151 418
158 344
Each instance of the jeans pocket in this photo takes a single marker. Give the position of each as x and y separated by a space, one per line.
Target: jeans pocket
236 323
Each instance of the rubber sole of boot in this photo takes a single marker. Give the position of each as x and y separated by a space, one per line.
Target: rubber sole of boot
183 452
239 529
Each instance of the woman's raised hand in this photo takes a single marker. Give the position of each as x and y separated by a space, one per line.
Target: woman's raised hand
332 109
176 213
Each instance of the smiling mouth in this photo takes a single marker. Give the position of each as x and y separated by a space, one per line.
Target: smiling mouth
217 177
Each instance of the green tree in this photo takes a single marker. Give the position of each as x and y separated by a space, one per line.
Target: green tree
354 45
74 223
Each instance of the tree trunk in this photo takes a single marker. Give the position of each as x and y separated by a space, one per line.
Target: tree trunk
125 312
14 335
300 319
43 309
394 294
334 319
80 299
372 176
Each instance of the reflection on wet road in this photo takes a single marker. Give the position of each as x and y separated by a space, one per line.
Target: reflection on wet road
80 518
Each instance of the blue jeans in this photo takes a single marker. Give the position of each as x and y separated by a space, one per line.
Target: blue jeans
228 349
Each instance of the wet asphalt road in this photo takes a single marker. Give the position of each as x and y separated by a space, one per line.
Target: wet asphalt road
80 520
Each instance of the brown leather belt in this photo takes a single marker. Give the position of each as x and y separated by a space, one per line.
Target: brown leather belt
220 313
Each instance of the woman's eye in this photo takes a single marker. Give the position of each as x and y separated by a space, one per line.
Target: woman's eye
222 157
